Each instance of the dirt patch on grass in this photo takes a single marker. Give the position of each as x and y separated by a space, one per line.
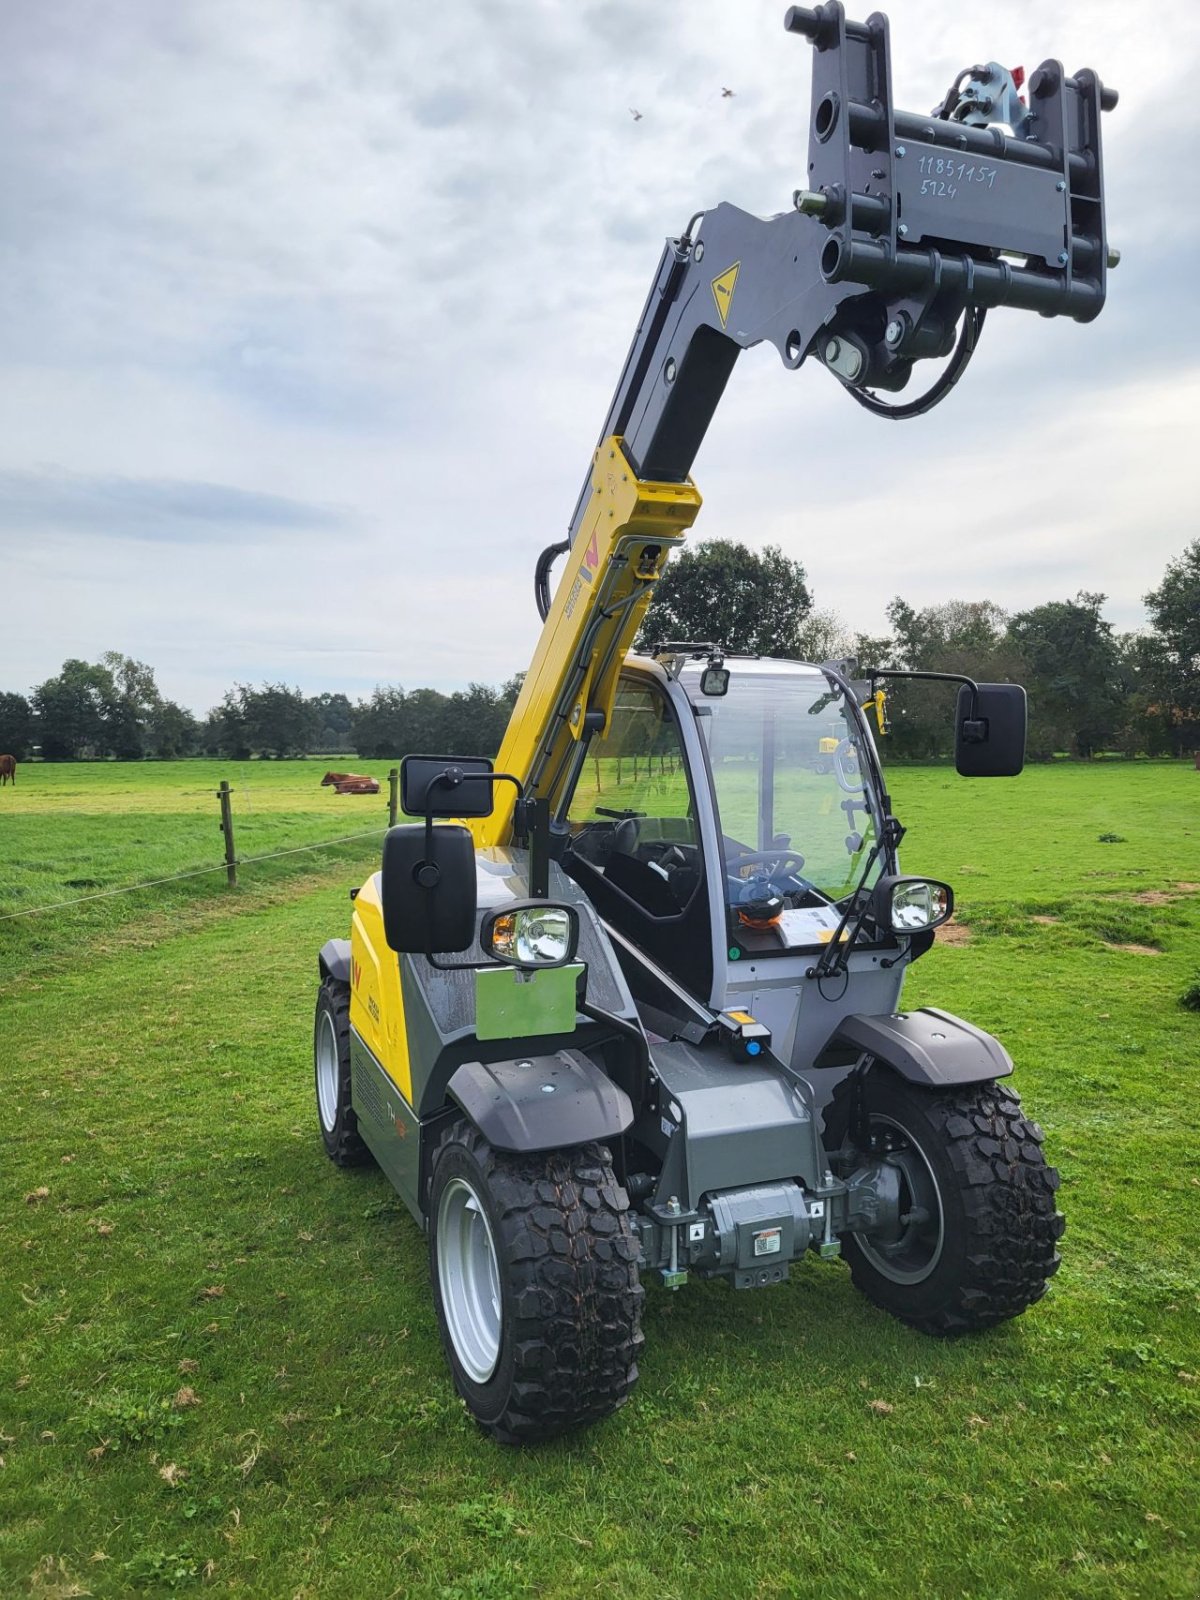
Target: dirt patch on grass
1156 897
1188 888
954 933
1135 949
1045 921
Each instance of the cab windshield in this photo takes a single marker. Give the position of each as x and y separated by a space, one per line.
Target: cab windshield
794 805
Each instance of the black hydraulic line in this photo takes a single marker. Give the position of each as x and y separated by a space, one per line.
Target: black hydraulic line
973 319
541 575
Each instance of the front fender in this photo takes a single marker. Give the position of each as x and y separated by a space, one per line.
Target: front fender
334 960
928 1047
547 1102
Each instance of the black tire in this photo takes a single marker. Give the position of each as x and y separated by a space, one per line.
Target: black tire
988 1249
335 1115
564 1293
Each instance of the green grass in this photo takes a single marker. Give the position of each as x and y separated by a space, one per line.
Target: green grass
194 1237
76 832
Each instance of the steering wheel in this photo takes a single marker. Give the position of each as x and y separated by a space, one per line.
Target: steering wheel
753 858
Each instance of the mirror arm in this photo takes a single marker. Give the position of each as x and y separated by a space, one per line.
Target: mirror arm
427 874
873 673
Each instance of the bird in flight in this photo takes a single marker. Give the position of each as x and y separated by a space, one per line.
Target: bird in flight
636 115
726 94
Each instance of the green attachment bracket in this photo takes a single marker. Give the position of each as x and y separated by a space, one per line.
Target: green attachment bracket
512 1004
829 1249
673 1279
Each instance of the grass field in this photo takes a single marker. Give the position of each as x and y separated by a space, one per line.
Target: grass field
75 832
219 1367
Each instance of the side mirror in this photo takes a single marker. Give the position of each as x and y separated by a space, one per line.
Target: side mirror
911 905
989 731
446 786
428 888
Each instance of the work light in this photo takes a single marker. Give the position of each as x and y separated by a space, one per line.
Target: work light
532 934
910 905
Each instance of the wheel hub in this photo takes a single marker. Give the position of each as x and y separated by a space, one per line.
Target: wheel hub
327 1072
910 1250
469 1279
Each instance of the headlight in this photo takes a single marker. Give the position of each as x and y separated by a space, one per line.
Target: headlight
911 905
533 934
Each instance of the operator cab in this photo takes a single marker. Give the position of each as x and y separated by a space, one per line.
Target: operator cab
776 779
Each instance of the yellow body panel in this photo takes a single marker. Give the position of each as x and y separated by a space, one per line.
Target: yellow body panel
619 554
376 998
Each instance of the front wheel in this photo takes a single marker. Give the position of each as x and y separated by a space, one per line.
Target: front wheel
978 1222
331 1071
535 1283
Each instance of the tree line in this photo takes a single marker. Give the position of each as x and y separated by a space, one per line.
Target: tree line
1091 688
113 708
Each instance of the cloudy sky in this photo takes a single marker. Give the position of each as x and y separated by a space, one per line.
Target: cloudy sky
310 312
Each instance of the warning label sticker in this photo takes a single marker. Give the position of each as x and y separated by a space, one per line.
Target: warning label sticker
722 289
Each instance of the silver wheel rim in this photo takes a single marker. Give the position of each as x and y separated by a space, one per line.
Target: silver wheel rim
327 1072
917 1248
469 1279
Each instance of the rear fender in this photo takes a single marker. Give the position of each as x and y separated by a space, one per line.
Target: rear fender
541 1102
928 1047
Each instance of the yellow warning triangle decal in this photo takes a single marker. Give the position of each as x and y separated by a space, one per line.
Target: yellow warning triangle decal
722 289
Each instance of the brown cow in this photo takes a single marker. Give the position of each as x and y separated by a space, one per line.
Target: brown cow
8 769
350 783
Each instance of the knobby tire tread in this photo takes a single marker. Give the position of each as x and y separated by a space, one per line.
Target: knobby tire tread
571 1257
1008 1194
344 1146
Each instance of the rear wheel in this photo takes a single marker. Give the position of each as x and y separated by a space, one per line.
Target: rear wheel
331 1067
535 1282
978 1229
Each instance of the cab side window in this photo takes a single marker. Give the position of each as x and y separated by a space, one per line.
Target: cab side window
631 818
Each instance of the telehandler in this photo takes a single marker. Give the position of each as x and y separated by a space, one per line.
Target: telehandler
628 1003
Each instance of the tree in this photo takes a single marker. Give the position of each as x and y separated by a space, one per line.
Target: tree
1174 675
824 636
74 711
135 700
377 725
722 591
16 725
224 732
333 715
171 731
959 636
1074 669
278 721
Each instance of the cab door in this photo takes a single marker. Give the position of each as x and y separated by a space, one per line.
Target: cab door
635 842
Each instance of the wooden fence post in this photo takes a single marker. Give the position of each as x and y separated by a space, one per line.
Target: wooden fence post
393 796
223 794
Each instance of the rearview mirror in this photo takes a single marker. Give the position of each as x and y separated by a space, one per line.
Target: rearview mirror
446 786
428 888
989 730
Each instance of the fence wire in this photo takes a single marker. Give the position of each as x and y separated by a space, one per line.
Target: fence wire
195 872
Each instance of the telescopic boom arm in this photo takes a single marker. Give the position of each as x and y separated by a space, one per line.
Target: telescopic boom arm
908 229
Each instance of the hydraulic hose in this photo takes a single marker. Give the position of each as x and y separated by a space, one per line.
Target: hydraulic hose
541 575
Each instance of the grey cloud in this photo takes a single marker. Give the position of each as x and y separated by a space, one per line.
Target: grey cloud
159 510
